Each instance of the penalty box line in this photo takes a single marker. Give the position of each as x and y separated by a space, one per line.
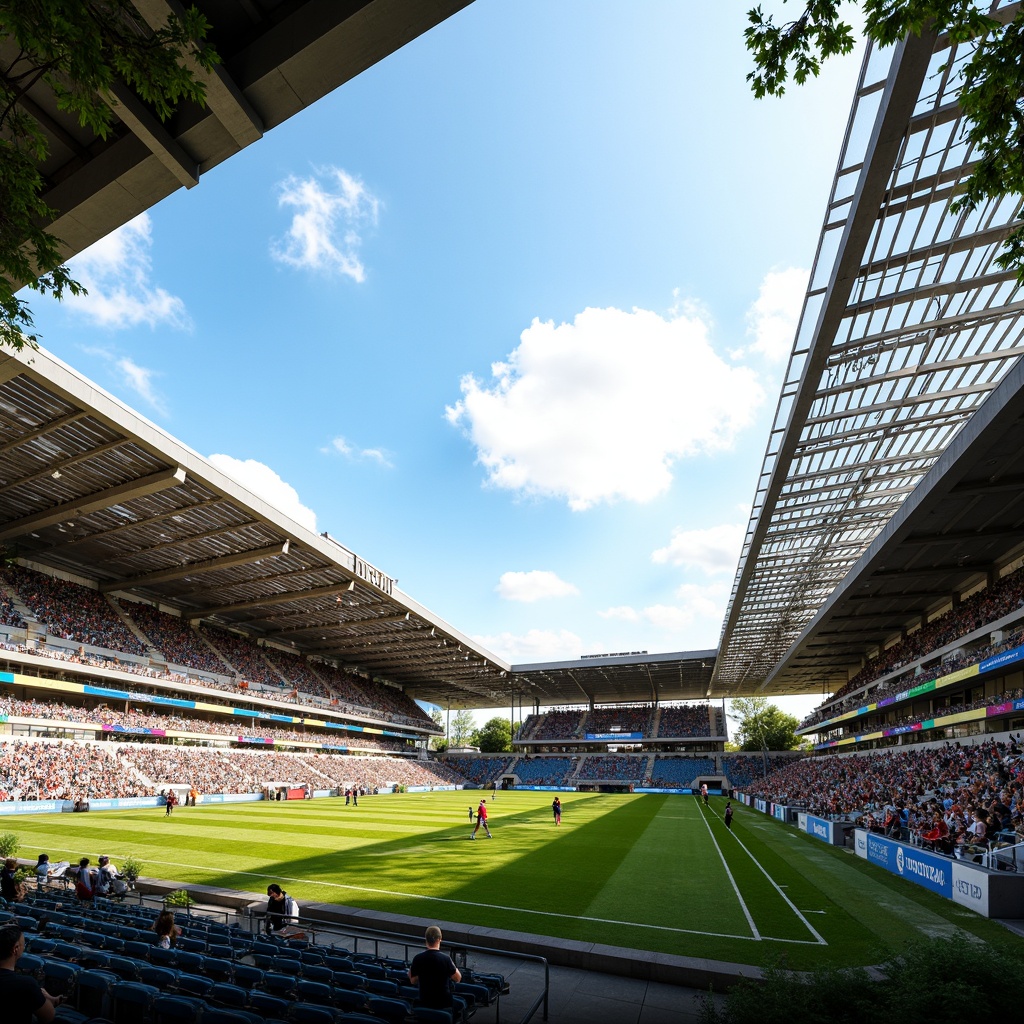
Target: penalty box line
488 906
818 939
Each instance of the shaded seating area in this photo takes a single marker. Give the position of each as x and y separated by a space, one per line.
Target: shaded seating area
105 961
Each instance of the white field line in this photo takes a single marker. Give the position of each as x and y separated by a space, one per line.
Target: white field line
732 881
792 906
485 906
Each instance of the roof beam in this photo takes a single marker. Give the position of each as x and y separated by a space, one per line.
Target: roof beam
78 507
42 431
265 602
207 565
224 98
157 139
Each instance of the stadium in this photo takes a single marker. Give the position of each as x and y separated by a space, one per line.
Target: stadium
192 681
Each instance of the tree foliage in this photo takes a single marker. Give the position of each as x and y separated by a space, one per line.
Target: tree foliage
80 51
494 736
763 726
992 79
460 729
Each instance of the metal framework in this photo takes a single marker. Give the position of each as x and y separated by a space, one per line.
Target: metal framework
907 326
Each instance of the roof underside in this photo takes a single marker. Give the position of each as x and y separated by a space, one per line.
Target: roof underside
908 326
278 57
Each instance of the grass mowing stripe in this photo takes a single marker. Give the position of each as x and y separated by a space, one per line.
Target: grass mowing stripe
732 881
774 884
601 877
468 903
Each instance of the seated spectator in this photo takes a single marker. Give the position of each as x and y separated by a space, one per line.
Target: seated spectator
282 910
85 881
166 930
435 973
42 869
21 995
8 881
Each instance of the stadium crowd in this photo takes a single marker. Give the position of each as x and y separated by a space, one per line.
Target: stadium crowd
901 790
685 720
70 611
1005 596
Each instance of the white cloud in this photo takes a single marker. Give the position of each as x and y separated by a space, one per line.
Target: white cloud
140 380
697 603
600 409
116 273
331 208
772 319
265 483
622 612
715 550
535 645
533 586
341 446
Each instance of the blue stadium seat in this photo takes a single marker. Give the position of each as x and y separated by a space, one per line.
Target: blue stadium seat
309 1013
349 980
248 976
133 1002
279 984
216 1016
163 978
92 992
188 961
349 1001
59 977
308 991
219 969
177 1010
191 945
339 963
123 967
163 957
268 1005
137 949
94 959
231 997
38 945
394 1011
315 972
194 985
29 963
382 986
220 951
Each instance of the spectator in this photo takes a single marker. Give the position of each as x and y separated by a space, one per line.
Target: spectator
20 994
435 973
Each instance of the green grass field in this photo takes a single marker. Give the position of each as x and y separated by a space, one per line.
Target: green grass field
656 873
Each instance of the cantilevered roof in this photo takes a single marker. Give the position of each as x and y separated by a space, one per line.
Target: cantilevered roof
961 526
90 488
907 327
278 57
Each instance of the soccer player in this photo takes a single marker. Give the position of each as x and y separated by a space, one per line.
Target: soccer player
481 819
556 810
728 815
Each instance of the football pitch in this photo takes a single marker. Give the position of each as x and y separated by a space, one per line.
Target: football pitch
657 873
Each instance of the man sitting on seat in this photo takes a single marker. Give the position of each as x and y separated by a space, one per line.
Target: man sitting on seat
435 973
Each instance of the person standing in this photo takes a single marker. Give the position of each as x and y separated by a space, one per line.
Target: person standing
22 997
704 792
471 814
435 973
481 819
728 815
556 810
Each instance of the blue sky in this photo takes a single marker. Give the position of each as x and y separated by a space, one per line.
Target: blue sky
506 315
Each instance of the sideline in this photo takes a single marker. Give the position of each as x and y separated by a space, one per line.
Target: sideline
818 939
484 906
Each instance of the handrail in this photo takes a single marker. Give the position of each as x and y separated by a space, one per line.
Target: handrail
379 936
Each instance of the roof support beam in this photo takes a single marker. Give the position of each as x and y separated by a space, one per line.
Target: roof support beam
93 503
223 96
293 595
207 565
